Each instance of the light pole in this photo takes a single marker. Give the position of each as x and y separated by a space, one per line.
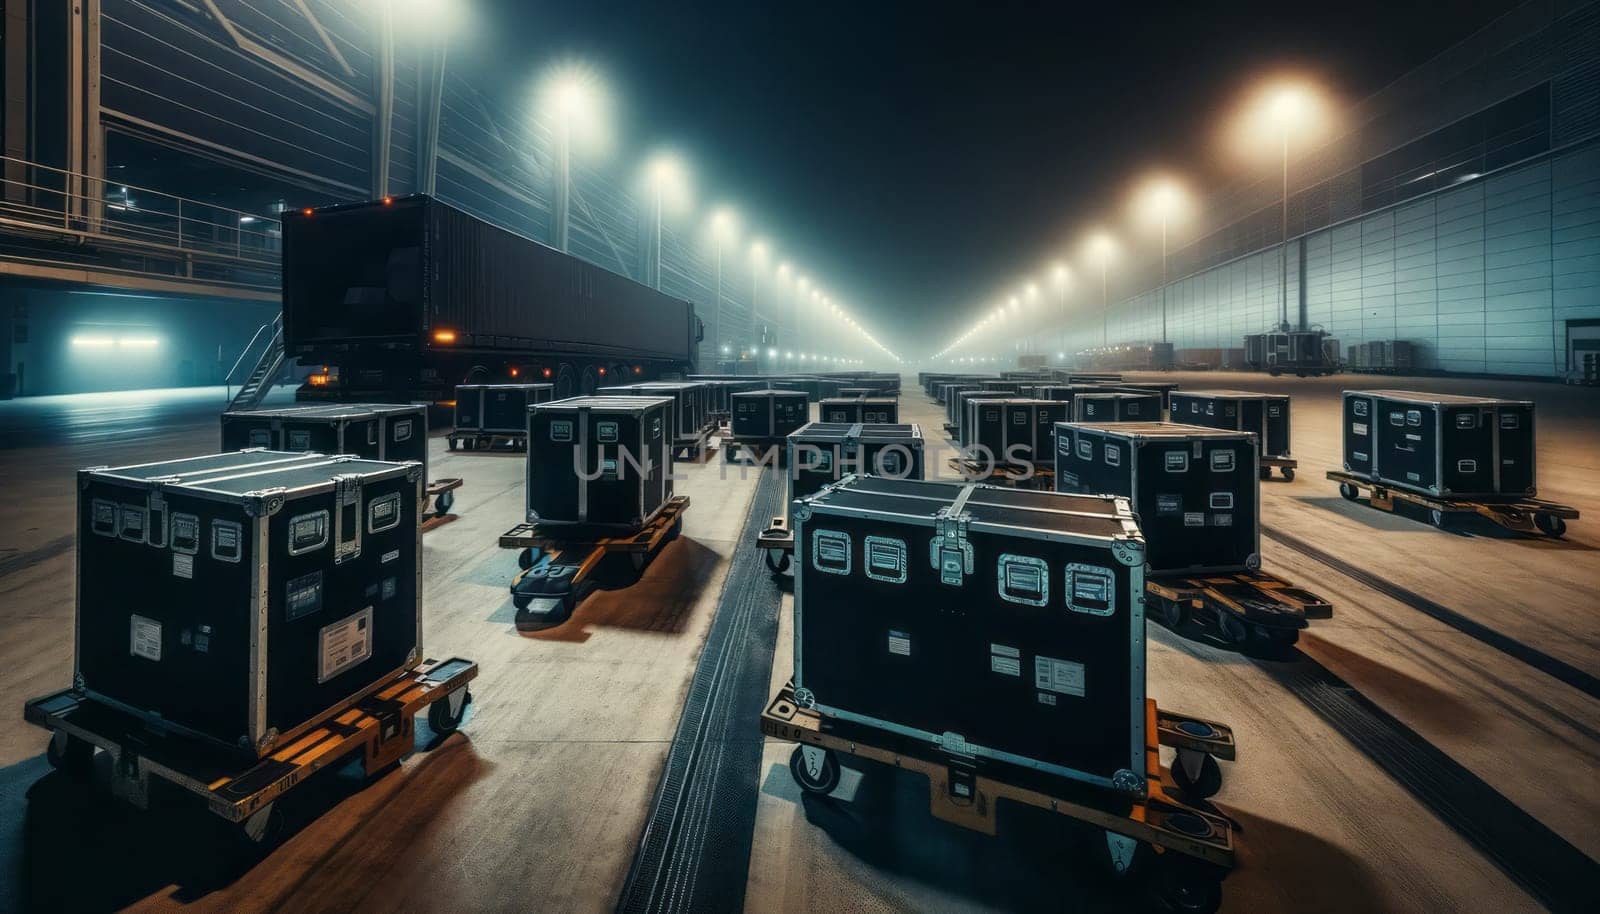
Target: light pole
571 96
758 260
665 175
1284 108
1100 249
723 226
1161 201
1060 275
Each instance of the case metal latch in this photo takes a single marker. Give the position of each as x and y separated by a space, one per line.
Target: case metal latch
347 516
950 553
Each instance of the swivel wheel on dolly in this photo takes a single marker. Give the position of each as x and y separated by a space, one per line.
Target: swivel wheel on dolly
815 769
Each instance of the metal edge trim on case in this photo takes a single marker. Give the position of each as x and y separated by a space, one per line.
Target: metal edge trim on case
259 577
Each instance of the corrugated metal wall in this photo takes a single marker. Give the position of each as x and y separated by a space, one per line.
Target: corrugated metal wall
1481 277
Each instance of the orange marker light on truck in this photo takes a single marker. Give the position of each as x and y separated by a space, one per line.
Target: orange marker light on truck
514 371
547 372
444 336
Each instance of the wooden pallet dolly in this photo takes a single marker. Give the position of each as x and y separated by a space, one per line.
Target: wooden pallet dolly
1194 845
1284 465
1017 475
1244 607
440 496
556 573
380 728
1524 515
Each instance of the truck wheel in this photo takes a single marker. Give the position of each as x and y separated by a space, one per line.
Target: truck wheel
1206 780
1550 525
1350 491
70 755
446 714
815 769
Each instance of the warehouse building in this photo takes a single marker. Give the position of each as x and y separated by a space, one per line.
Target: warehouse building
1458 211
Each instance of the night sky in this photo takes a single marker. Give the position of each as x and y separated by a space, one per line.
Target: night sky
918 158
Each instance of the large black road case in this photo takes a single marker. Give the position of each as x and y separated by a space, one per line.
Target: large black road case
602 463
953 410
1117 406
689 401
1014 430
498 409
1441 444
242 598
1194 490
376 431
767 415
1164 388
829 451
871 410
1267 415
1003 627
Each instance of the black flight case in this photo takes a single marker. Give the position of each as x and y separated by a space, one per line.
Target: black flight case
1441 444
1194 490
376 431
498 409
850 410
599 463
768 415
829 451
1117 406
1001 629
243 598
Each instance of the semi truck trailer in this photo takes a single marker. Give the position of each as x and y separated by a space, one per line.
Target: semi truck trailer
404 298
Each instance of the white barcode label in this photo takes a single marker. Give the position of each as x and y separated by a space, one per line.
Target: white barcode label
900 643
144 638
344 644
182 565
1062 676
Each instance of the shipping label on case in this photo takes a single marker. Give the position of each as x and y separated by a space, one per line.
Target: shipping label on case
344 644
1194 519
1061 676
1169 505
182 565
900 643
144 637
1005 660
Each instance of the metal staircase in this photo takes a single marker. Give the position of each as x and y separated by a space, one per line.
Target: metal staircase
269 367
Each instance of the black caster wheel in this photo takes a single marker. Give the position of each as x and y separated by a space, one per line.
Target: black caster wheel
1439 519
70 755
452 444
1187 886
1550 525
1206 779
816 770
526 558
261 832
1174 613
1349 490
777 562
1233 629
443 502
1288 474
444 715
638 560
1266 472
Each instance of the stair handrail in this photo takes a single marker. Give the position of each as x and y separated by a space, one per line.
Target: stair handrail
227 380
